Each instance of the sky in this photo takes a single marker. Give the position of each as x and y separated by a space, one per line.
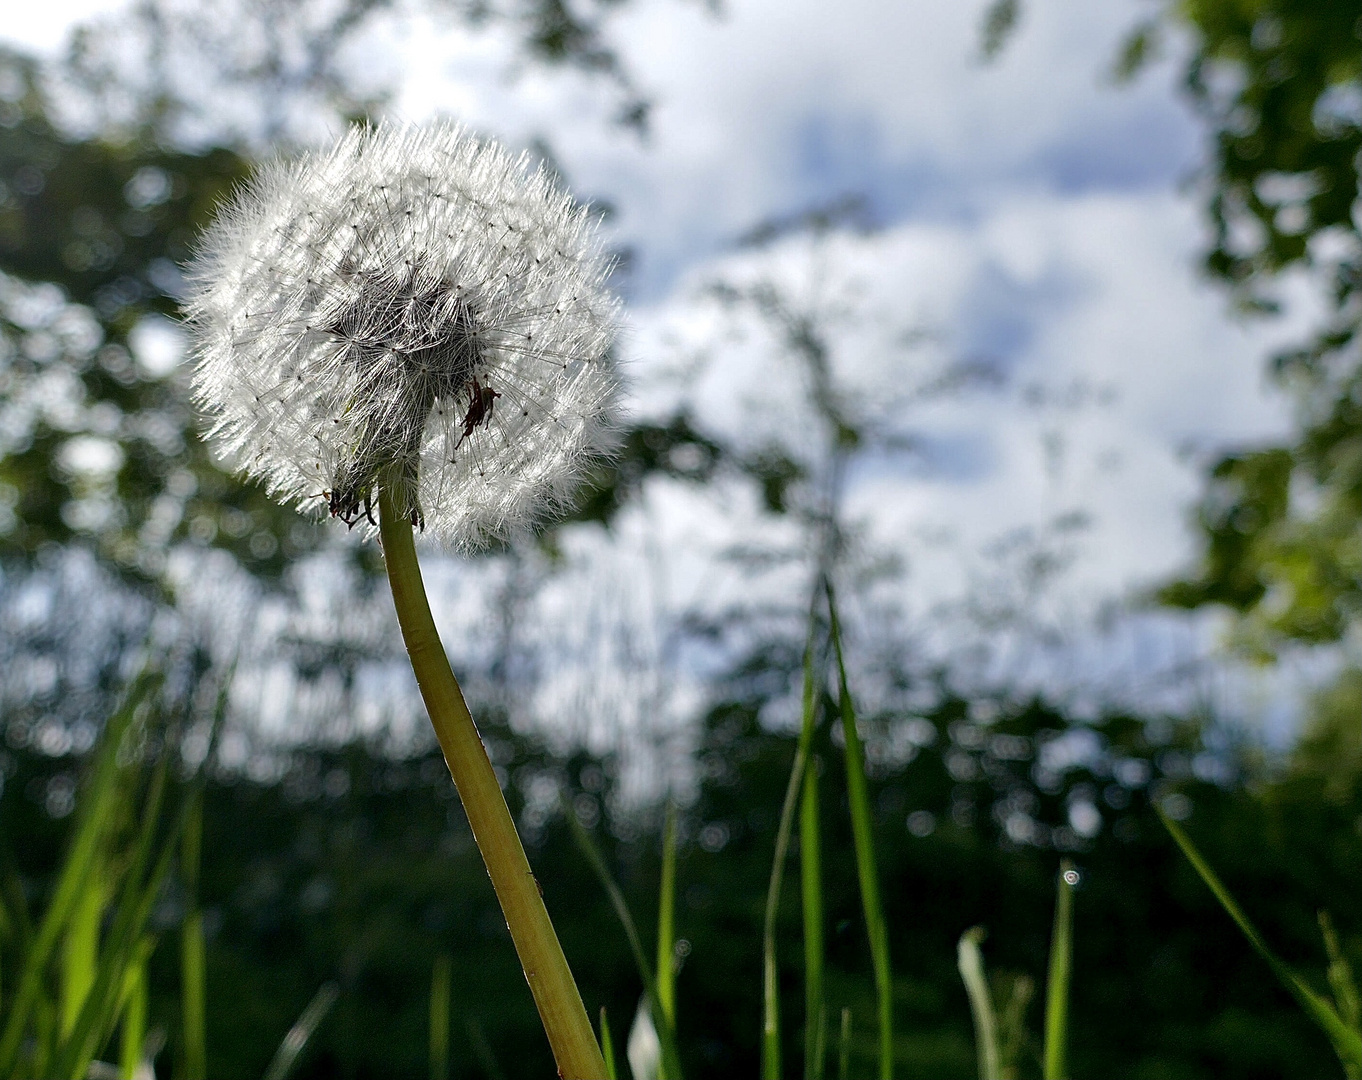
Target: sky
1030 217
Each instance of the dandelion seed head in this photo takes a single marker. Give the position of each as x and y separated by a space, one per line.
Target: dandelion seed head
415 309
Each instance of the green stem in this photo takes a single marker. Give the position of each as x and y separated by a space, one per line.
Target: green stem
541 956
1057 985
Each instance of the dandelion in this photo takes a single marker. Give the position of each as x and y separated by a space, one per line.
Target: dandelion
416 323
413 309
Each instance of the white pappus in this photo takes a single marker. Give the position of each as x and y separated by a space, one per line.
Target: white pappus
415 309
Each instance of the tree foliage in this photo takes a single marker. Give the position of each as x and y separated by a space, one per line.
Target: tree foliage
1280 84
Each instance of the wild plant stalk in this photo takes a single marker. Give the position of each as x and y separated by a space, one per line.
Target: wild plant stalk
811 881
440 976
97 808
770 1030
133 1029
671 1060
1346 1039
858 797
541 956
971 964
608 1047
666 922
300 1034
1056 1063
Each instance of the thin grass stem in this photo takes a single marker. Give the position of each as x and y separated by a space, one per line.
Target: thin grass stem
302 1031
541 955
608 1047
1056 1063
666 921
671 1060
133 1028
770 1030
971 963
1347 1042
811 882
858 796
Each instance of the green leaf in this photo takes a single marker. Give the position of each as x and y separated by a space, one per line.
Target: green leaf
608 1048
971 964
770 1029
97 809
666 923
671 1060
299 1034
1057 982
1346 1041
811 881
859 798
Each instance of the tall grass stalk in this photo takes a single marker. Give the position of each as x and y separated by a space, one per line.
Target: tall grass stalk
671 1060
80 945
1346 1041
1056 1062
133 1028
98 806
811 881
608 1047
971 963
666 922
126 940
302 1031
859 798
770 985
440 977
1341 981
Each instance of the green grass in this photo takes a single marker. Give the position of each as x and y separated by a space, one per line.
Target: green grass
1057 979
858 797
1345 1038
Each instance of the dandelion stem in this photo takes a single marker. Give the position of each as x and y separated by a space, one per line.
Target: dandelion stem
541 956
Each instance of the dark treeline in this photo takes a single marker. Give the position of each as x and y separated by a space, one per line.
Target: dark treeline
358 868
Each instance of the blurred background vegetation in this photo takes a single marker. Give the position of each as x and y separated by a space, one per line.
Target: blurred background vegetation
346 860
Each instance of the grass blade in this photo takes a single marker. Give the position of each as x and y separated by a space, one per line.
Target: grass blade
133 1031
770 1028
136 899
671 1060
608 1048
80 944
1346 1041
1340 974
811 882
299 1034
971 963
666 921
440 977
96 812
859 798
1057 981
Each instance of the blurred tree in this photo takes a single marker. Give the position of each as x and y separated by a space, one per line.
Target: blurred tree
1279 85
97 441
